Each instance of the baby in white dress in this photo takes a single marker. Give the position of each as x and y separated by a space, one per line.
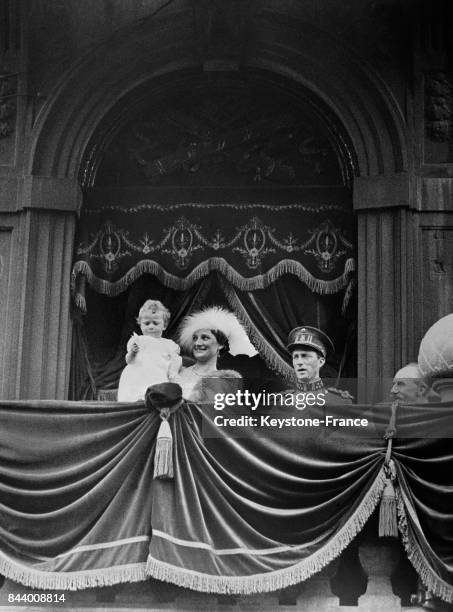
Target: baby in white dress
150 358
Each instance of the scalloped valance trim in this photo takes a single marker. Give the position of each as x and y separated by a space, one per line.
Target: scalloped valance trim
214 264
280 579
271 356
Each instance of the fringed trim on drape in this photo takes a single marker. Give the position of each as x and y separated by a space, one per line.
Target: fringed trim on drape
72 581
430 579
266 350
214 264
280 579
80 290
347 295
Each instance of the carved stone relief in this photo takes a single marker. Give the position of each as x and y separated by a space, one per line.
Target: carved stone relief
222 138
8 90
438 117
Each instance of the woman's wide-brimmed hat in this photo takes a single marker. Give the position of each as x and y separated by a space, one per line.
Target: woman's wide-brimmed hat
218 319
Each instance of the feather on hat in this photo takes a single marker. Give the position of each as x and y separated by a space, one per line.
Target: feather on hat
217 318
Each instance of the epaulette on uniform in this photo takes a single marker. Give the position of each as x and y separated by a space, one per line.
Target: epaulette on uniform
342 393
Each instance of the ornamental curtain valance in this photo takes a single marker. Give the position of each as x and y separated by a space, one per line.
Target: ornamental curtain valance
252 245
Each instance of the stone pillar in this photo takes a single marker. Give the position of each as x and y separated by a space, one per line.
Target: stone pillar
435 251
433 161
385 275
42 288
106 595
8 231
318 593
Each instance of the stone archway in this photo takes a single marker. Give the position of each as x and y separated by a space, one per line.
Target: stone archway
285 47
289 47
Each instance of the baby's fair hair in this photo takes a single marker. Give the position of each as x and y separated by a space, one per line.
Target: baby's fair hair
151 307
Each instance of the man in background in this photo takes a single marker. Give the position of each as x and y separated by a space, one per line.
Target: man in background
410 387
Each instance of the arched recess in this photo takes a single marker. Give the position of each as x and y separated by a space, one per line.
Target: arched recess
68 126
234 186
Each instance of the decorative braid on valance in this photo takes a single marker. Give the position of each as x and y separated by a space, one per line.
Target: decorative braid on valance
250 245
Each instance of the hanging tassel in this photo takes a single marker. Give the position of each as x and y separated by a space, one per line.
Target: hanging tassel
388 524
163 458
388 521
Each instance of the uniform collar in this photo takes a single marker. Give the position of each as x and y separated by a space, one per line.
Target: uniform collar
314 385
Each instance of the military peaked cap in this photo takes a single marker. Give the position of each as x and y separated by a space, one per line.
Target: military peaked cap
310 337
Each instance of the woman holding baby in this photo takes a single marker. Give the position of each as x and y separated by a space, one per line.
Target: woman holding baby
205 335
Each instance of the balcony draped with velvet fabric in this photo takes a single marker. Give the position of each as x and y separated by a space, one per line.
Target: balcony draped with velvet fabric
80 507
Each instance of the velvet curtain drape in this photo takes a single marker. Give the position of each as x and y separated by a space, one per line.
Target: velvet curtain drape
276 265
244 513
267 315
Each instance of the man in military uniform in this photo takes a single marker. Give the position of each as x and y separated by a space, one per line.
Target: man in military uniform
309 347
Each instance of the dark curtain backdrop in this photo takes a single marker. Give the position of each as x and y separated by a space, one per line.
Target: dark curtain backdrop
269 314
100 336
276 265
